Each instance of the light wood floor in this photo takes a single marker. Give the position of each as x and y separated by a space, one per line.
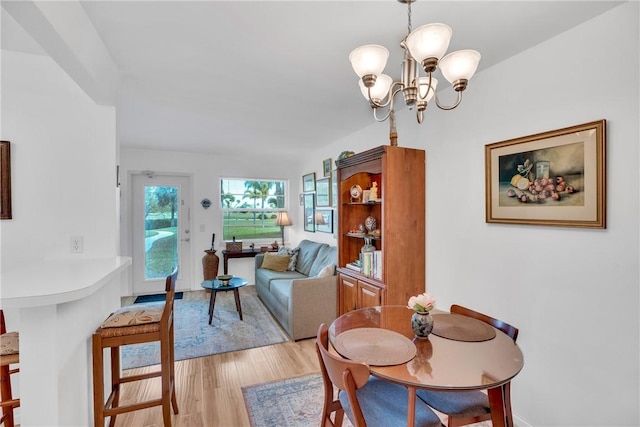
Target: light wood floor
209 389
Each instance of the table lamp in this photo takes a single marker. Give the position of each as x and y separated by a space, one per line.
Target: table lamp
283 220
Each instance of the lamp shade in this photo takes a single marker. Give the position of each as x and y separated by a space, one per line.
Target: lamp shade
379 89
369 59
429 41
424 85
320 218
283 219
461 64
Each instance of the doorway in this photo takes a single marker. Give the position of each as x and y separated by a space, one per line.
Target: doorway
160 231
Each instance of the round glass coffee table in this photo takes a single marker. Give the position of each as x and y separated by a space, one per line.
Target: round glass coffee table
217 286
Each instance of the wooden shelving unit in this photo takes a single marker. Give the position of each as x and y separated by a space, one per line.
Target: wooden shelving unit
400 215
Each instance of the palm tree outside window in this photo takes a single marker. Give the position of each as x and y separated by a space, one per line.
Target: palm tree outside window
250 208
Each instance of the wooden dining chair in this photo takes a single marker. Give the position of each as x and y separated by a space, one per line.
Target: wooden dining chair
365 399
468 407
135 324
10 355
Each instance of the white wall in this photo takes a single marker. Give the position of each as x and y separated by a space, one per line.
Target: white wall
63 152
572 292
63 164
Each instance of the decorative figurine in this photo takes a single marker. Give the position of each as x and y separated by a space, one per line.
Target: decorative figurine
373 195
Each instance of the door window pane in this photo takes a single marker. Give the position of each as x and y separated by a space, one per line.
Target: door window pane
160 225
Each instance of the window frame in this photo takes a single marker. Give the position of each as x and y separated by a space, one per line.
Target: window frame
242 180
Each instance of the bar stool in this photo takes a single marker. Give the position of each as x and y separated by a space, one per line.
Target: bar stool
9 355
138 323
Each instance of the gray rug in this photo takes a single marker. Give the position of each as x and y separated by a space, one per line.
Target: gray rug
294 402
194 337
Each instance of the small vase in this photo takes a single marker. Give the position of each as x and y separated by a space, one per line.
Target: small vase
368 245
422 324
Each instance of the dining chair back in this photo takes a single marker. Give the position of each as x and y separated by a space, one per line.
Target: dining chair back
511 331
365 399
10 355
139 323
470 407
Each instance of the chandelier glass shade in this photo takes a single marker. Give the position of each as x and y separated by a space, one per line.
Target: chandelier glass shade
425 48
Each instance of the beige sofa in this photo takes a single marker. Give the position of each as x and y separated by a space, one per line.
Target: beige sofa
299 299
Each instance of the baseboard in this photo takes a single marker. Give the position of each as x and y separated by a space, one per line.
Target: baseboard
519 422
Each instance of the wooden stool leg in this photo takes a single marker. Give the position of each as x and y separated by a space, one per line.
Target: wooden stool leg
115 381
5 392
174 400
98 382
165 360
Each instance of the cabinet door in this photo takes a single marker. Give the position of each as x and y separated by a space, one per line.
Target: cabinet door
348 293
368 295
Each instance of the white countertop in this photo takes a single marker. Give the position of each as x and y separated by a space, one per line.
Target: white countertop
57 281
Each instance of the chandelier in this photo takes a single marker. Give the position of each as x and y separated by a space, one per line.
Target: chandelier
426 46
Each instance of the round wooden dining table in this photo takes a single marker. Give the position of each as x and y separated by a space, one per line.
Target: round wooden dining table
459 362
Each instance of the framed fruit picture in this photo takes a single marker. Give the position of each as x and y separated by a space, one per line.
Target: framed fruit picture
554 178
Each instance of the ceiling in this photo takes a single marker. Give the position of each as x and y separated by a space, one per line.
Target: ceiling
238 76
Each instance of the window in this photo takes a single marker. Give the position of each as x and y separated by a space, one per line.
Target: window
250 208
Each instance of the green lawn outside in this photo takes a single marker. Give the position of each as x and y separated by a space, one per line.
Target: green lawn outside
162 256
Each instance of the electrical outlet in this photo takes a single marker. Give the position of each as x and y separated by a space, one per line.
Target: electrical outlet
77 244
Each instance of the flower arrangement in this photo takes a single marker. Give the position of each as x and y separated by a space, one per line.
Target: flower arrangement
422 303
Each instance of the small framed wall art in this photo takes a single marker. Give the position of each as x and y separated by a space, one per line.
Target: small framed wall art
309 211
323 192
324 220
554 178
309 182
5 180
326 167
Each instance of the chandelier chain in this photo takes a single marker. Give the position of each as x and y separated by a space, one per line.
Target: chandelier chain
408 17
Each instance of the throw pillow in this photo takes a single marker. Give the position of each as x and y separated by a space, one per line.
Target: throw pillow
293 253
275 262
327 271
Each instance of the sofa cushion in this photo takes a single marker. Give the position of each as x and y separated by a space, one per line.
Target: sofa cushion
327 271
293 253
281 290
327 255
307 255
275 262
266 276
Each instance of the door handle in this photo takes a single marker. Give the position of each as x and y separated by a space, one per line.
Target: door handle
186 240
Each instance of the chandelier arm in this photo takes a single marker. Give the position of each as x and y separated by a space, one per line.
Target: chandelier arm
444 107
426 92
392 94
389 97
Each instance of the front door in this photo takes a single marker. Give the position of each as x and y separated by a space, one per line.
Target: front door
160 232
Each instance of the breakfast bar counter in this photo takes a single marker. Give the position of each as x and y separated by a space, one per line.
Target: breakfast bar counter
59 304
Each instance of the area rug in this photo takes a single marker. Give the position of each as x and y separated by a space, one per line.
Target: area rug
155 297
294 402
194 337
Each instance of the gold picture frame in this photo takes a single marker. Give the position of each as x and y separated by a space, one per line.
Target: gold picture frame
554 178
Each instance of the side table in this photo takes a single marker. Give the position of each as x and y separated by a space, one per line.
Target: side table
216 286
245 253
